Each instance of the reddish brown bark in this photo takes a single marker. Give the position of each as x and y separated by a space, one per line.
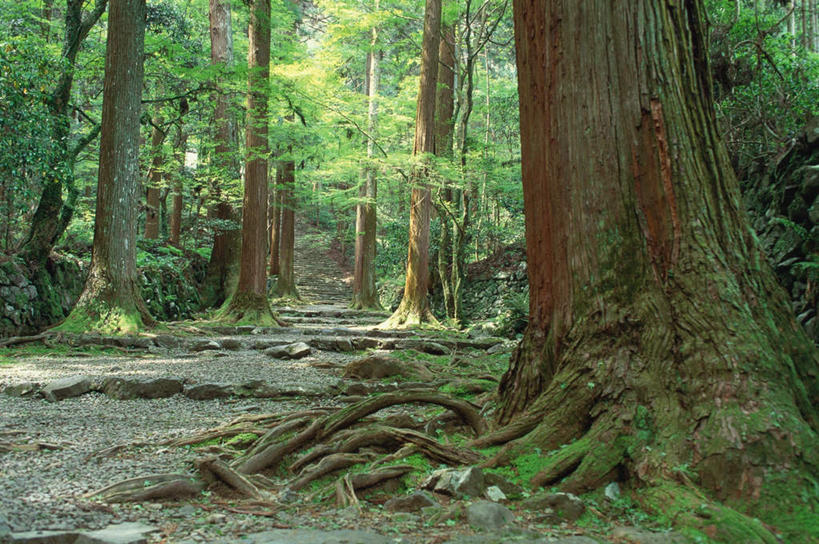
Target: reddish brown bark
414 307
152 192
286 282
275 224
177 202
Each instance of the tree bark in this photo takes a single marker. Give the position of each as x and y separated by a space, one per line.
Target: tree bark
110 301
154 179
365 294
178 204
249 303
660 349
286 282
414 307
223 267
275 224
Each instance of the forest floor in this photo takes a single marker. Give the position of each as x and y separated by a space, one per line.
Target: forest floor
83 412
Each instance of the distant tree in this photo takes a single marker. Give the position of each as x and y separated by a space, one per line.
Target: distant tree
660 351
286 280
152 191
414 307
110 300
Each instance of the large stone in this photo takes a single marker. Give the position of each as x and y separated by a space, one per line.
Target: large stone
153 388
42 537
488 515
452 482
205 345
289 351
122 533
565 506
332 344
167 341
633 535
208 391
422 345
508 488
67 387
231 344
377 367
410 503
25 389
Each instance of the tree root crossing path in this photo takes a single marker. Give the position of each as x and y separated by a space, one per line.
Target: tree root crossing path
328 430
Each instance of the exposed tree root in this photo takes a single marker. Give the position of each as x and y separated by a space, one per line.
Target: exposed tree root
212 434
17 340
328 465
346 487
213 469
153 487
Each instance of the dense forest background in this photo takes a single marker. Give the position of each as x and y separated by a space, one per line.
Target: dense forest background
765 71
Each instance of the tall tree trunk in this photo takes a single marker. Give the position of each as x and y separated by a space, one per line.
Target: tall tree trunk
365 294
154 179
445 107
275 224
414 307
52 215
223 267
175 236
249 303
286 282
110 301
658 339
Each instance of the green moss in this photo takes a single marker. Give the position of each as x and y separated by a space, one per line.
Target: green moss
102 318
412 355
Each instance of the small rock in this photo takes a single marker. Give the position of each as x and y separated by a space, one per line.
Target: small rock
494 493
332 344
377 367
208 391
424 346
216 519
67 388
410 503
469 482
155 388
509 489
289 351
612 491
566 505
231 344
497 348
167 341
123 533
205 345
186 511
488 515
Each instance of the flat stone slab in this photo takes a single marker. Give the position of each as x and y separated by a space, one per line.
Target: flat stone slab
65 388
309 536
155 388
122 533
289 351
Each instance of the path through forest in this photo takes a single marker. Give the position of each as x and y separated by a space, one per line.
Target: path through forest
88 412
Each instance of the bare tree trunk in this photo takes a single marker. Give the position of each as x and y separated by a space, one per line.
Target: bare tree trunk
154 179
275 224
223 267
414 307
249 303
286 282
110 301
658 336
365 294
175 236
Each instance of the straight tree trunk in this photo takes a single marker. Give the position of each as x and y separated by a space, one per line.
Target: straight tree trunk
660 350
445 107
223 267
365 294
414 307
286 282
249 303
275 224
154 179
110 301
178 204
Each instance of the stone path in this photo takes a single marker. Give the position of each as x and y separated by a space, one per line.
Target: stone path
75 423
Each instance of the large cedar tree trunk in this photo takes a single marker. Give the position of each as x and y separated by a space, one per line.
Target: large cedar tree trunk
110 301
249 302
414 307
223 267
660 351
365 294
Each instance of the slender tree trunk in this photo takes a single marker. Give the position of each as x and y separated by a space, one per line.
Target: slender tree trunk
365 294
286 282
154 179
275 224
110 301
660 349
175 236
414 307
445 107
249 303
223 267
52 215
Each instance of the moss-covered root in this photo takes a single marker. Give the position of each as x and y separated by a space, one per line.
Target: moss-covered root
248 309
411 315
104 319
694 515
